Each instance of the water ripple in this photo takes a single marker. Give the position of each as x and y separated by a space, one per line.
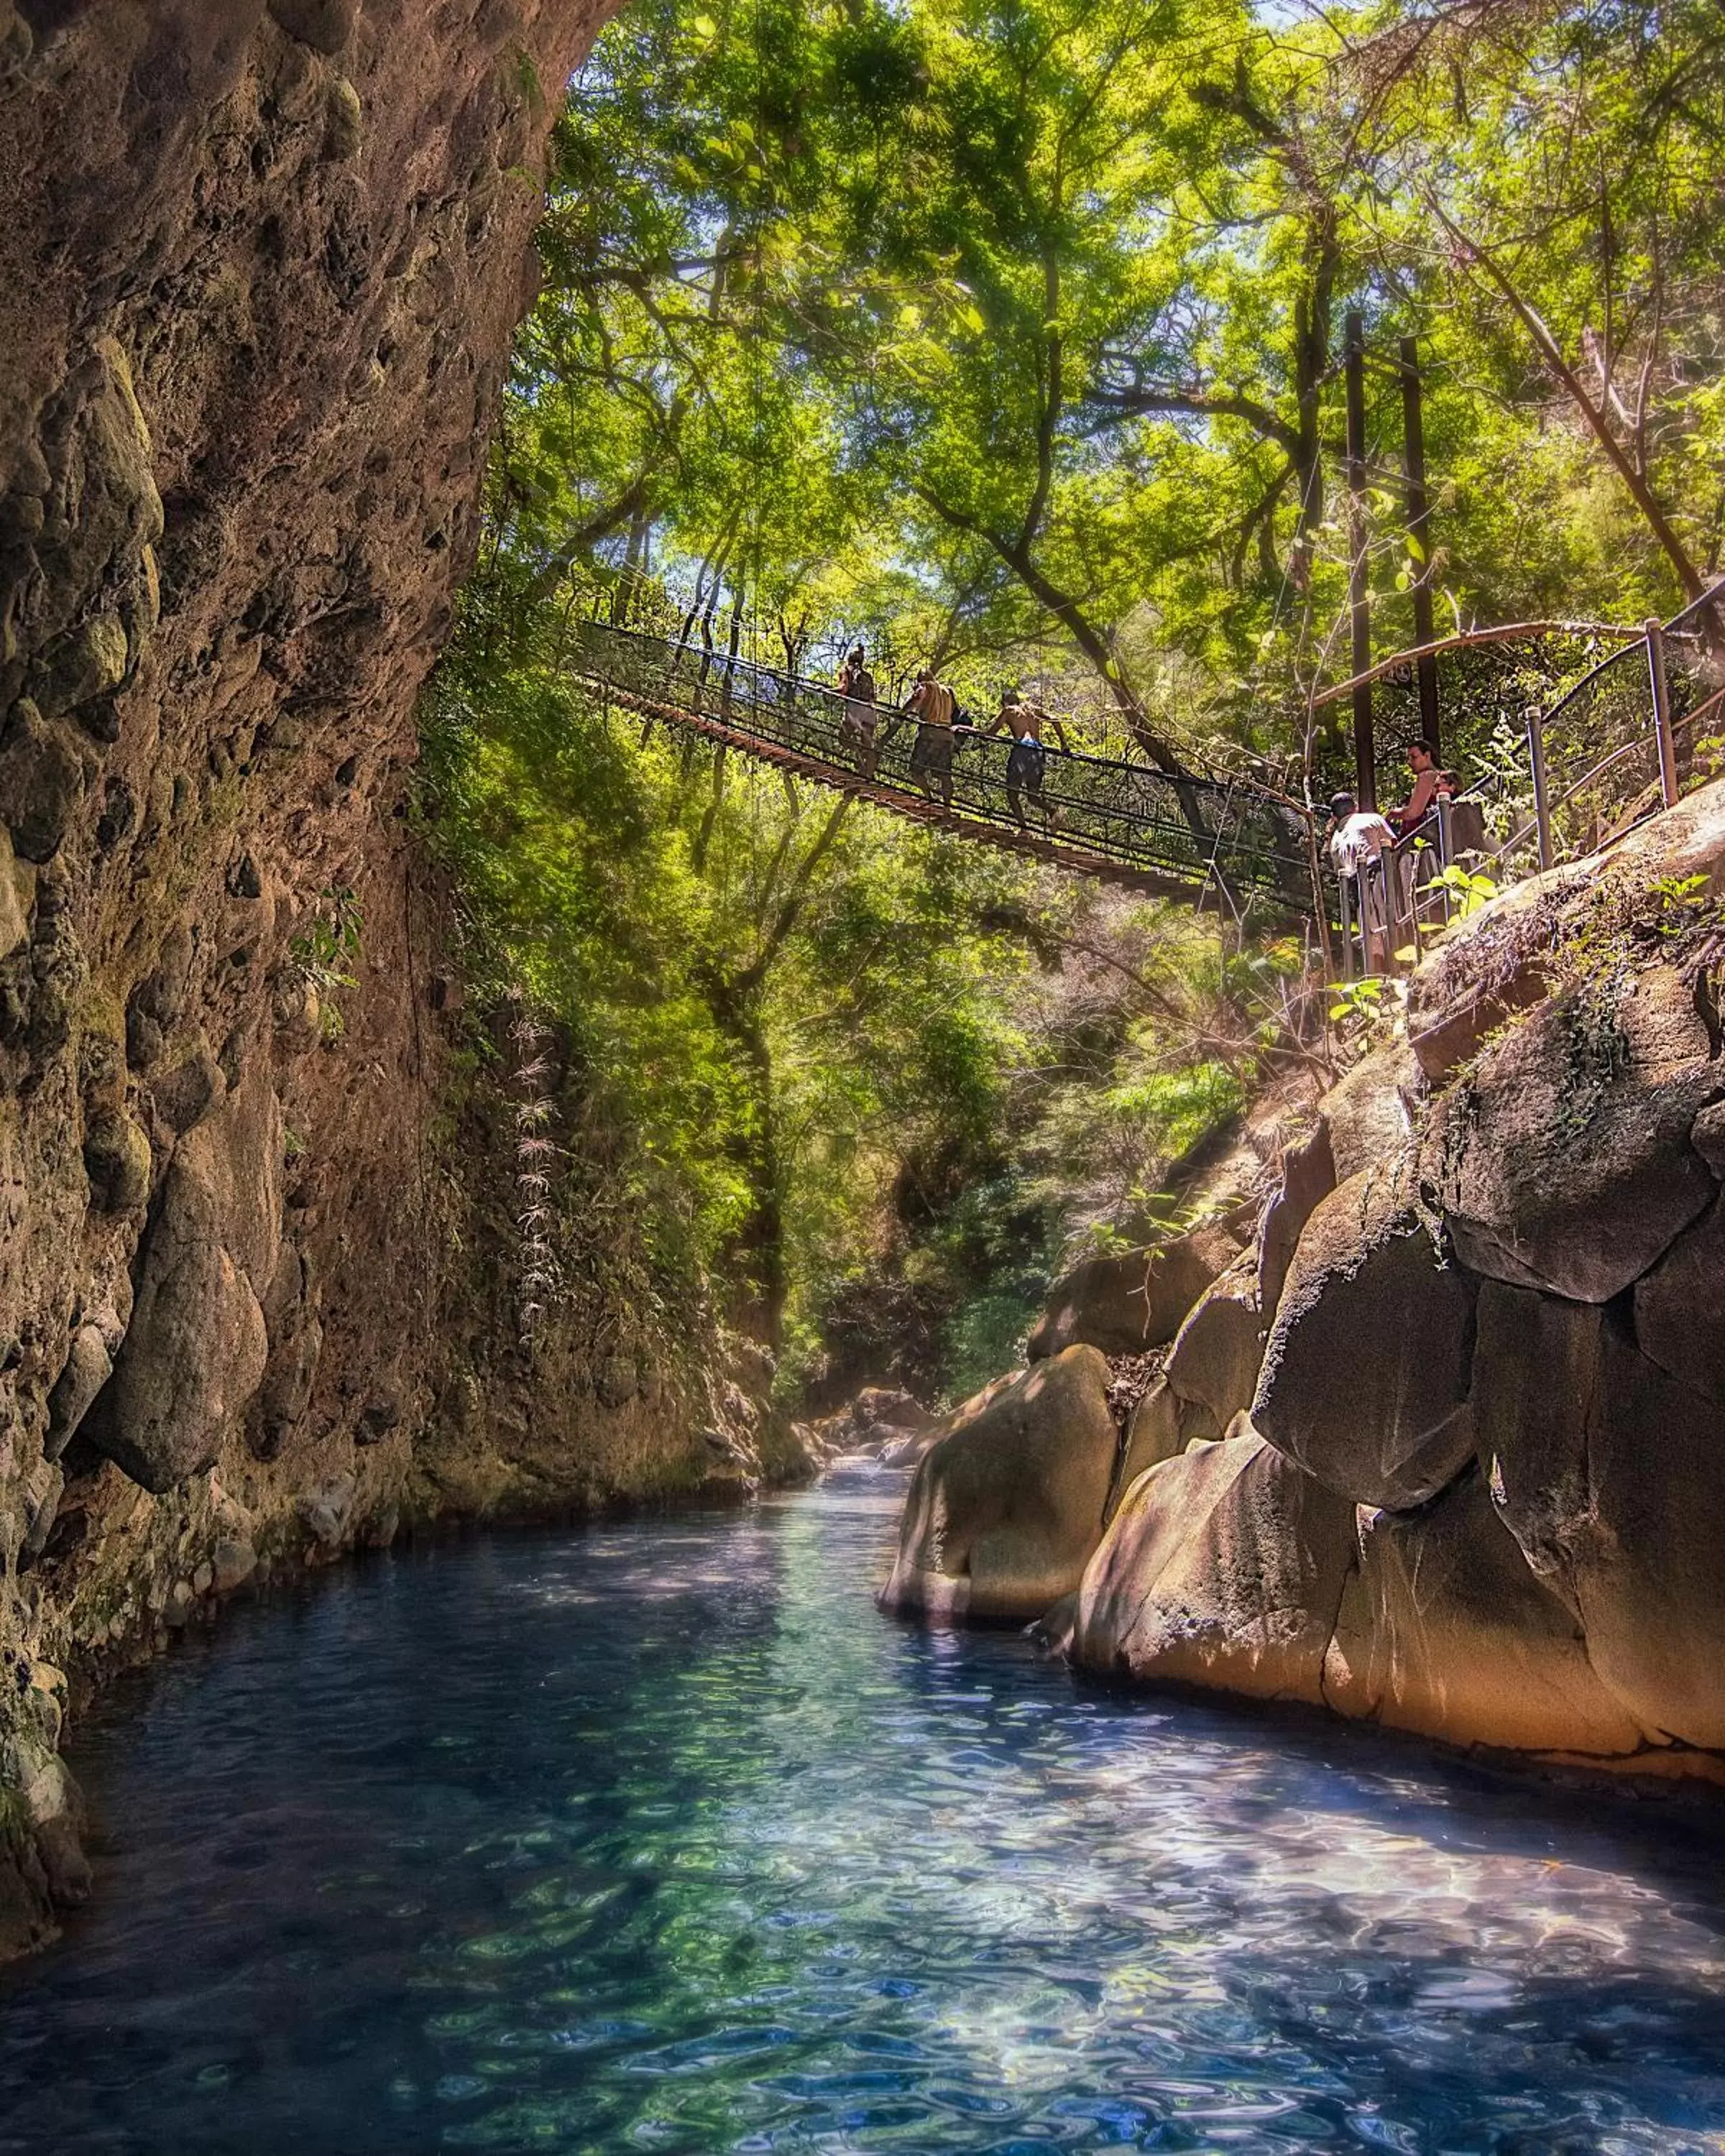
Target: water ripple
658 1839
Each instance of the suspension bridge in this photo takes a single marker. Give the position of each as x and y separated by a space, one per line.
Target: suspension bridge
1604 745
1170 834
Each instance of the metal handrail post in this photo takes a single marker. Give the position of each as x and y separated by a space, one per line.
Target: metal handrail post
1536 757
1661 710
1342 884
1359 597
1446 849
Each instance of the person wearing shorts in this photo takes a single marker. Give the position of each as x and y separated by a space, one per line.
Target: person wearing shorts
856 728
1026 765
933 706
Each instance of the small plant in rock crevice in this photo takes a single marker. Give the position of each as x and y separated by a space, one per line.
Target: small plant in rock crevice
534 1150
1468 890
325 951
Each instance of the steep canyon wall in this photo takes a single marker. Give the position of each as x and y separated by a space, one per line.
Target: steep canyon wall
260 268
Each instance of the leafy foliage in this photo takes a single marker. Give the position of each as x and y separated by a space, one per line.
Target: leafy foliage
1006 334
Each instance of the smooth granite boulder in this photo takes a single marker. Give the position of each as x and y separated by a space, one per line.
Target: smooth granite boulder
1124 1304
1608 1471
86 1369
1488 970
1444 1630
1563 1160
1680 1307
1308 1176
1212 1368
1222 1568
1366 1373
1368 1114
1152 1435
1005 1507
1538 1369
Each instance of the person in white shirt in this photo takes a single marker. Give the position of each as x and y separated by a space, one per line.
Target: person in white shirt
1362 851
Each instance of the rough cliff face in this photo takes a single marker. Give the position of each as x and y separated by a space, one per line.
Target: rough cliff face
261 266
1445 1453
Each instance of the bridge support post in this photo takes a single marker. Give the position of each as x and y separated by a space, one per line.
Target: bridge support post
1343 884
1420 536
1660 683
1365 755
1542 806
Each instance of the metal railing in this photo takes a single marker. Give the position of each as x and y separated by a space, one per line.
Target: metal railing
1632 734
1552 779
1195 834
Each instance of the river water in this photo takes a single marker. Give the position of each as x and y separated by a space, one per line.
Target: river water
657 1838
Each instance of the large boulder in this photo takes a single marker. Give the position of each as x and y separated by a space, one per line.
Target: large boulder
1366 1373
1488 970
86 1369
1444 1630
1563 1160
1508 957
1680 1307
881 1407
197 1347
1538 1369
1369 1114
1308 1176
1006 1507
1222 1567
295 1332
1606 1469
1212 1368
1125 1304
1152 1435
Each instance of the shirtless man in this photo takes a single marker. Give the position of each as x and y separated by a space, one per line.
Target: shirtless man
1022 721
933 706
856 686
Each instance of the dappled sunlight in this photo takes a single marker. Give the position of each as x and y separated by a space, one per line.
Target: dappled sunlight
659 1838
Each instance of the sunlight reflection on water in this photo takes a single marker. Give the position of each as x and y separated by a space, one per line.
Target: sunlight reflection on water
658 1838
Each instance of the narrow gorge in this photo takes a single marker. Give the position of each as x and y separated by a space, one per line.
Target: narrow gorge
795 1351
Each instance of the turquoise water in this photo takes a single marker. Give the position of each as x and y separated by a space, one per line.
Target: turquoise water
658 1838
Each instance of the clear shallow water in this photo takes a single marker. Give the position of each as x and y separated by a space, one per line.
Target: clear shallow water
657 1838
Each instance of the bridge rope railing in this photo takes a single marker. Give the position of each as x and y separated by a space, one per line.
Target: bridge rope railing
1178 834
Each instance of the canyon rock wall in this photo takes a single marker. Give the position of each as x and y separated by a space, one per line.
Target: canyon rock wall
1448 1456
260 268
